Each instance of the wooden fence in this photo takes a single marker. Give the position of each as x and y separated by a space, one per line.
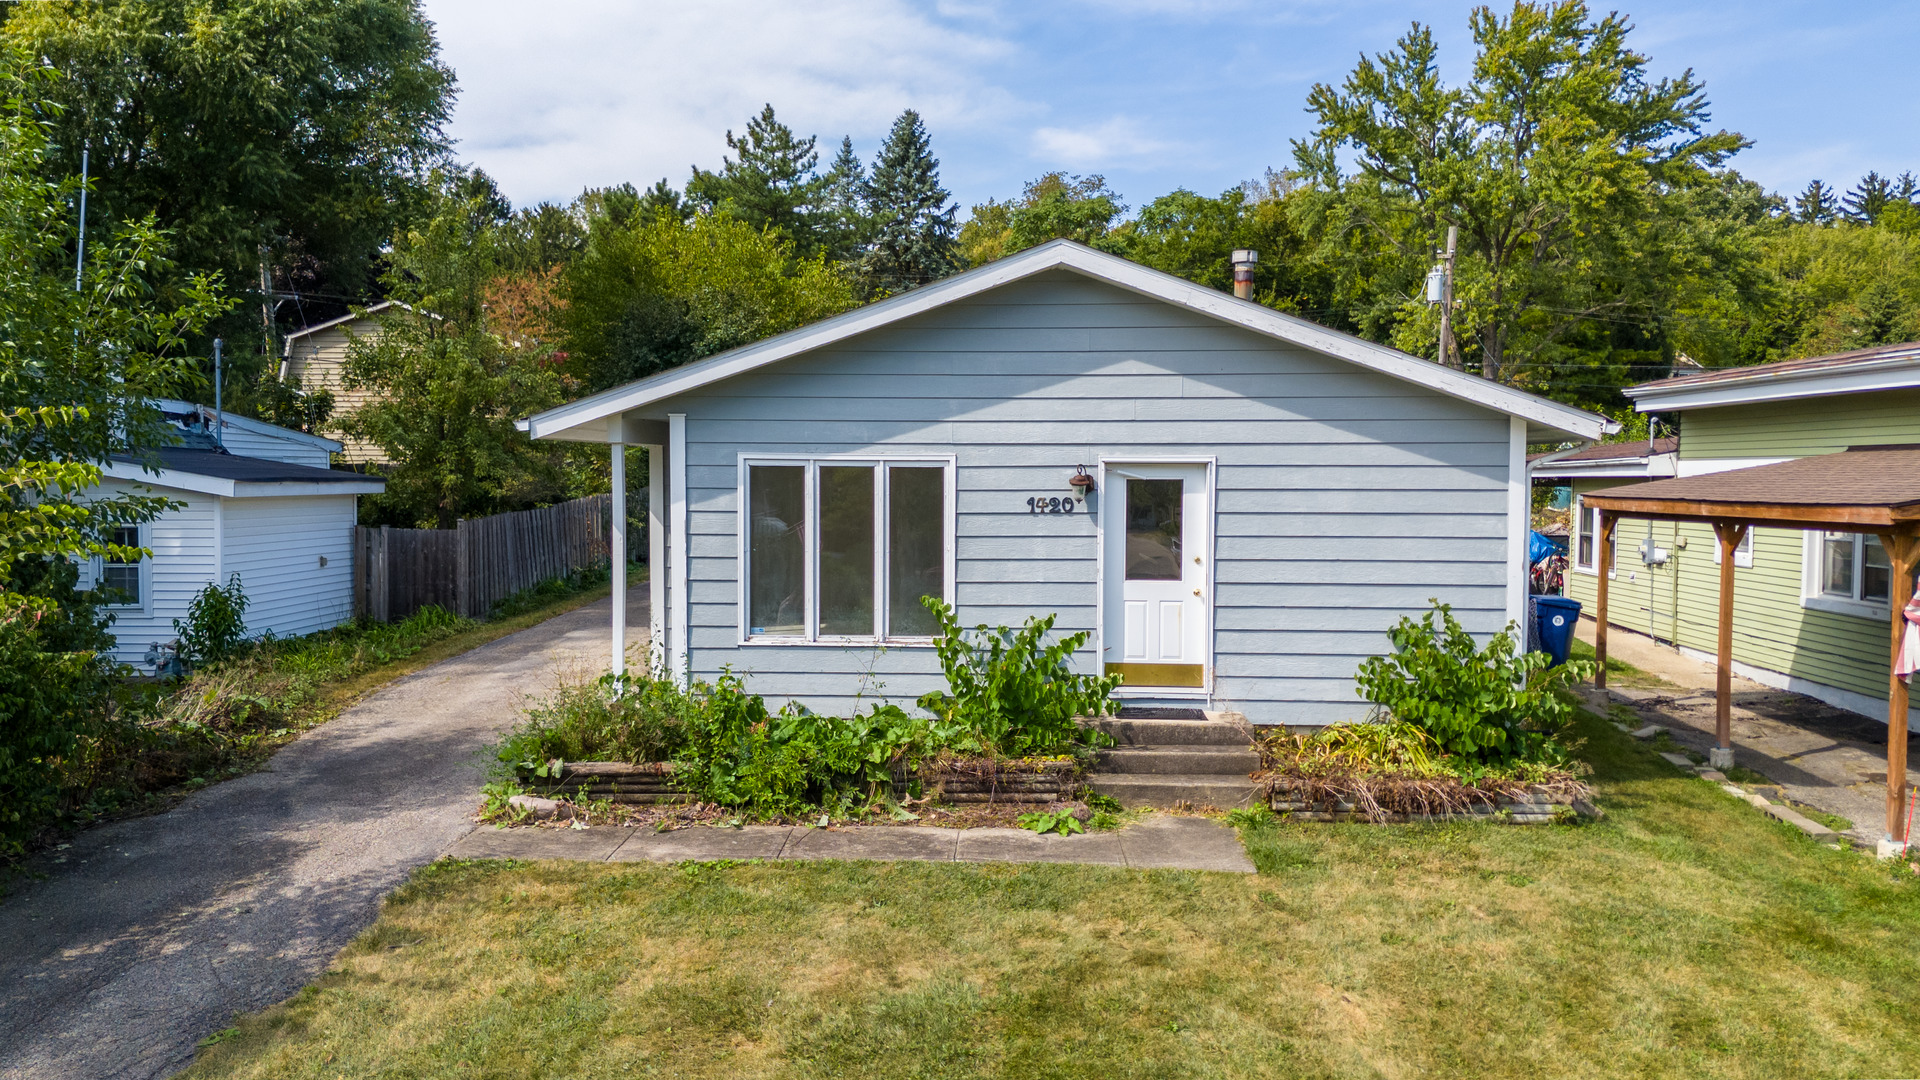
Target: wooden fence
482 562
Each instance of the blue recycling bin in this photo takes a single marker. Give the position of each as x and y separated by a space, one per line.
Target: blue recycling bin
1556 616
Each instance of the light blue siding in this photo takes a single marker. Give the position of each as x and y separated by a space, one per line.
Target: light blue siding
1345 498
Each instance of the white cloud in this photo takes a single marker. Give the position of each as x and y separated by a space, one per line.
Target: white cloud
1117 140
601 92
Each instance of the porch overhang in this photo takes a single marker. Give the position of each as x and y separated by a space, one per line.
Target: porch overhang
1862 489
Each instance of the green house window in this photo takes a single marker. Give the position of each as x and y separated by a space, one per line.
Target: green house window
1854 566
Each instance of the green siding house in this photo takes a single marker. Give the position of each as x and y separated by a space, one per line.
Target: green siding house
1810 608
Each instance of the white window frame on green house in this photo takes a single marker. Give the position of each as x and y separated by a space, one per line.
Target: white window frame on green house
1586 527
1742 555
142 575
811 545
1821 593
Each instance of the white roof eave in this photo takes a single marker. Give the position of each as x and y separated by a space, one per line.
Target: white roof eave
1897 373
1062 254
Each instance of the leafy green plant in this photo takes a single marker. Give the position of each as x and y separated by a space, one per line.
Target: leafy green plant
1010 691
216 626
1052 821
1490 704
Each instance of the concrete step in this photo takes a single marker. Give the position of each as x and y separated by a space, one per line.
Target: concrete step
1166 790
1185 760
1172 732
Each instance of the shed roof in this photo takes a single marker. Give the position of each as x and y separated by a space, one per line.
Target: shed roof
1638 450
218 473
587 419
1873 486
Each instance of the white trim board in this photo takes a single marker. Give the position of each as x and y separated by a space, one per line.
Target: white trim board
181 480
1709 466
585 420
1893 373
1519 524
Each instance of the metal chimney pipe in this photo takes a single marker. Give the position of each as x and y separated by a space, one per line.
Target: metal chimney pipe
219 439
1244 260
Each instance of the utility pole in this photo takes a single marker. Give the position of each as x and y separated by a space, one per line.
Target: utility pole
80 249
266 302
1449 354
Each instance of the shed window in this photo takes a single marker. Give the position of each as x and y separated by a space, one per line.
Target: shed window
119 580
840 549
1586 539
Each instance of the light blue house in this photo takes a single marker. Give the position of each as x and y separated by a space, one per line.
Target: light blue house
1236 503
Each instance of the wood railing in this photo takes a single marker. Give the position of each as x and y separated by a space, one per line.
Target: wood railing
483 561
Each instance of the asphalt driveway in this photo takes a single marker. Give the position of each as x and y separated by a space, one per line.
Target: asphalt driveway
153 933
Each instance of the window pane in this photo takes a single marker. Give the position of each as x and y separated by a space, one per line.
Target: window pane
1876 572
846 550
1153 530
121 580
1836 577
916 556
776 593
1583 529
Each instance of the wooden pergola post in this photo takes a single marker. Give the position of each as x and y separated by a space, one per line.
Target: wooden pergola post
1721 757
1903 552
1603 564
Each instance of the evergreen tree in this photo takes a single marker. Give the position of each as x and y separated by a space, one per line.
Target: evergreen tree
843 209
772 186
1816 205
1867 199
661 201
911 217
1905 187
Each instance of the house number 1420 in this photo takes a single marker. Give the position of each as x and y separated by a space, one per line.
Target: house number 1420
1048 504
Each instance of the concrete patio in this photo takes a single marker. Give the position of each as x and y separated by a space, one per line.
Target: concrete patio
1161 842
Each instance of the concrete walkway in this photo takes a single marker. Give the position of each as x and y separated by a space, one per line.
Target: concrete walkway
1814 753
1161 842
150 934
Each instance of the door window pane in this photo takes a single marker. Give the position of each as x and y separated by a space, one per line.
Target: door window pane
846 550
122 579
777 549
916 557
1153 530
1836 577
1876 572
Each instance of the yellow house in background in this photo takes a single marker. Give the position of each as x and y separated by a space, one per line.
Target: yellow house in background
314 359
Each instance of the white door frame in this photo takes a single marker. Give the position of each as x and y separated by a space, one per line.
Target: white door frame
1209 543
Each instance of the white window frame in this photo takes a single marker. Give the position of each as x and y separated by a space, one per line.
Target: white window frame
1586 521
97 573
1742 554
1813 593
811 545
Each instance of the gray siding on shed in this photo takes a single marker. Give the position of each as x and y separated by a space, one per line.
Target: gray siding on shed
1345 498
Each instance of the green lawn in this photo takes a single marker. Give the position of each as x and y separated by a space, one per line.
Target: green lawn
1684 935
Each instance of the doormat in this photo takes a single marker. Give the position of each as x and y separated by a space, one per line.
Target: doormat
1151 712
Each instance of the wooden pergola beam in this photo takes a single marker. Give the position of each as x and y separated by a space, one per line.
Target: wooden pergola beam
1730 534
1875 519
1903 552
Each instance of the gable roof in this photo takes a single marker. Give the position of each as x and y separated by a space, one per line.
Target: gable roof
585 419
1884 367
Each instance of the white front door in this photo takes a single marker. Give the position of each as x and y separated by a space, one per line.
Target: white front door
1157 607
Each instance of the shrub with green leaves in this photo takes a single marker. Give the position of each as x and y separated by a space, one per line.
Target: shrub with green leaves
215 628
1013 692
1491 704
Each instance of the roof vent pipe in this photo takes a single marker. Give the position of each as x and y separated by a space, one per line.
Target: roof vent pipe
1243 263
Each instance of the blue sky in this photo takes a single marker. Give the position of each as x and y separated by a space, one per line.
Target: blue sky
1154 94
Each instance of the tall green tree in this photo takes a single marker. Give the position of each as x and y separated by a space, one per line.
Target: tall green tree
843 222
1817 205
1055 206
912 219
1555 160
298 135
447 388
1869 198
771 184
78 369
1193 236
660 292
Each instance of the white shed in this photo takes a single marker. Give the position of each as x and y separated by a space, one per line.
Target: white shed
261 503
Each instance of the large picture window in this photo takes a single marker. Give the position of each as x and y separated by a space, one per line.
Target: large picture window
844 549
